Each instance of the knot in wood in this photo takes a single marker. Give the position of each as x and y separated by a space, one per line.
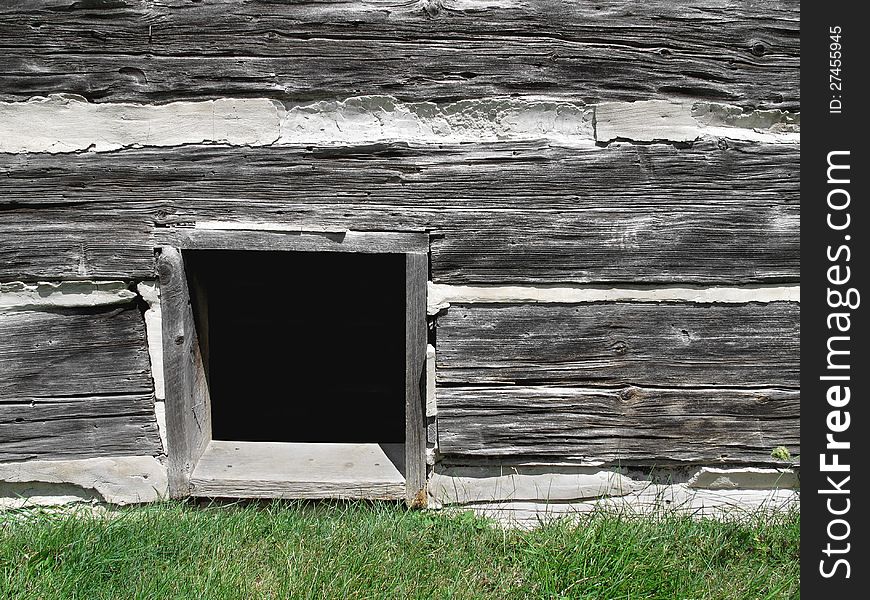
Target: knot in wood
757 48
630 394
432 8
619 347
179 340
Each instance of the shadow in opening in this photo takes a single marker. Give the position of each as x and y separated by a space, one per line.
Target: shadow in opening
303 346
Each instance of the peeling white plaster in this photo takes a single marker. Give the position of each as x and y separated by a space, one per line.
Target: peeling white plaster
526 494
431 405
434 7
27 296
367 119
440 296
462 485
747 478
713 114
663 120
150 292
118 480
68 123
733 505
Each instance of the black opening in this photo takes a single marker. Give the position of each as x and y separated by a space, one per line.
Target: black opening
302 346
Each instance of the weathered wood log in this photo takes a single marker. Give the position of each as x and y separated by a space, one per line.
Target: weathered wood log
188 405
747 54
76 383
78 427
416 273
711 213
73 352
616 344
629 425
75 242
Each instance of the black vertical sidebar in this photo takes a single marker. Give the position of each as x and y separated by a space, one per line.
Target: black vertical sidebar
834 261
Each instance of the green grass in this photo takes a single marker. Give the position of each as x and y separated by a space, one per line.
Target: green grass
362 550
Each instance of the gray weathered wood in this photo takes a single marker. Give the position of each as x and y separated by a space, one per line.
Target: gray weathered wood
739 52
188 411
631 425
78 427
416 274
75 242
75 383
668 344
67 352
296 470
712 213
297 241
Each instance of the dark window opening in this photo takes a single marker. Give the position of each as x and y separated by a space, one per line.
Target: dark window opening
302 346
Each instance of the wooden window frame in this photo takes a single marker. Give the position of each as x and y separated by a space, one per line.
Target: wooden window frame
188 410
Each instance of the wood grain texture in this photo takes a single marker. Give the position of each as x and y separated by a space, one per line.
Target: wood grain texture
616 344
416 274
72 242
297 470
743 53
629 425
188 409
75 383
501 213
295 241
73 352
78 427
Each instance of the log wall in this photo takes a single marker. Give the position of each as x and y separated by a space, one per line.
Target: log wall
542 145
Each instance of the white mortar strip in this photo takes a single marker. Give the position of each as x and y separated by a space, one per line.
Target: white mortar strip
655 500
24 296
119 480
69 123
462 485
661 120
66 123
440 295
367 119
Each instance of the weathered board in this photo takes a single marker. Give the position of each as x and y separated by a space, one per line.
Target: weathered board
416 274
188 405
76 383
709 213
628 425
739 52
78 427
298 470
617 344
74 242
73 352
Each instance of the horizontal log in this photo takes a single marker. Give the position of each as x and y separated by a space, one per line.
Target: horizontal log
76 384
743 53
629 425
500 213
70 352
78 427
76 242
615 344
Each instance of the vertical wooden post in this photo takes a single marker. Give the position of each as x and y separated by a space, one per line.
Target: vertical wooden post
416 275
188 411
